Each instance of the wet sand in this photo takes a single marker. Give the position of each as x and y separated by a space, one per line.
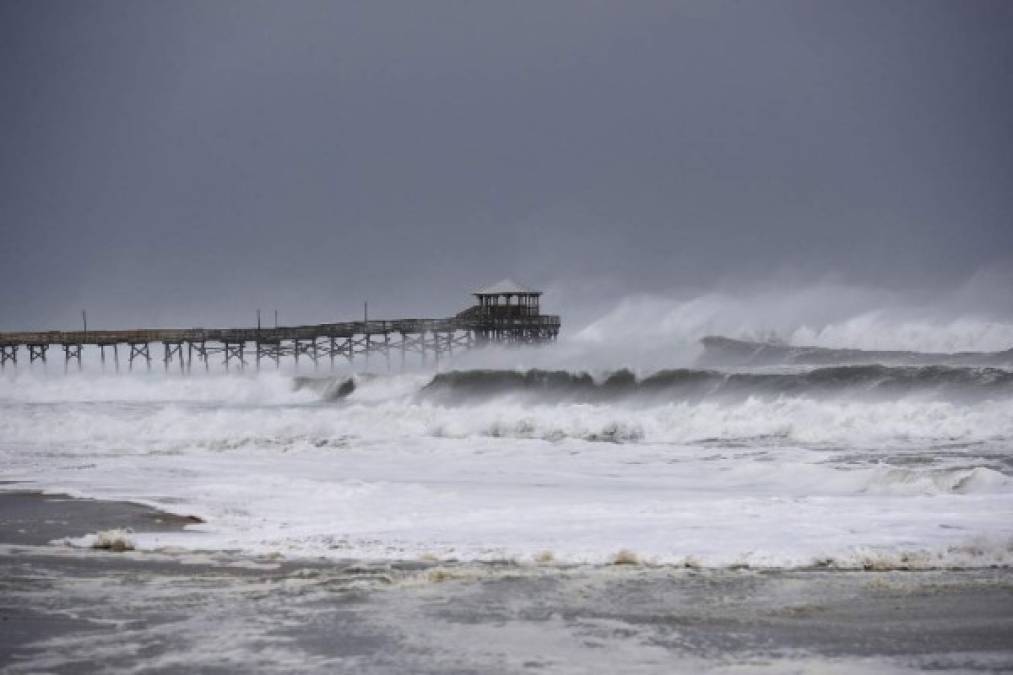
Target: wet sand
67 610
34 518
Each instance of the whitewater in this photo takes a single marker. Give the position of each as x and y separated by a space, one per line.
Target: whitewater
850 467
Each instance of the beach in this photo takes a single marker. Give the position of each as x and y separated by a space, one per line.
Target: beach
69 610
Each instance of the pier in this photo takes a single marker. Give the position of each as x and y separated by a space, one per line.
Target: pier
505 313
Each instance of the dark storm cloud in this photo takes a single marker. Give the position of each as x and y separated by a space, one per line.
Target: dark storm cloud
185 163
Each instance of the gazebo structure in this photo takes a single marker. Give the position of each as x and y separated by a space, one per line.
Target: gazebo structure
508 300
509 312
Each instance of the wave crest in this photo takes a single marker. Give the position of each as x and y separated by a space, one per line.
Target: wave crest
469 386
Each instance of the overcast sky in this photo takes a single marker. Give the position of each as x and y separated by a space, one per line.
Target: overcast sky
183 163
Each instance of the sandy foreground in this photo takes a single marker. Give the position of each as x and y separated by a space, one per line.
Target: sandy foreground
73 609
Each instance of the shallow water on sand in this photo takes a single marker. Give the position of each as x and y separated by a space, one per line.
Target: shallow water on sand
130 613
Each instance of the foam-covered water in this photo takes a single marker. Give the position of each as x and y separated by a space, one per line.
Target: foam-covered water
848 467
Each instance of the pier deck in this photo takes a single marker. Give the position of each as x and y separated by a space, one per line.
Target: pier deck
429 338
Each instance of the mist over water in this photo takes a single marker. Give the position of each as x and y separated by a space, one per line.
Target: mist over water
655 331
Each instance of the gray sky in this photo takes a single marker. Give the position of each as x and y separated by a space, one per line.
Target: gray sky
183 163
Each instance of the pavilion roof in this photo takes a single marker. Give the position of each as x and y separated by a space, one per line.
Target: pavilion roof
507 287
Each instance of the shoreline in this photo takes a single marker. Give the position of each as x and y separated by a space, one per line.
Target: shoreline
36 518
68 609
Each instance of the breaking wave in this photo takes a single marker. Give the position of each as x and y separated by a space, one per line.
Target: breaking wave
462 387
901 481
328 389
856 467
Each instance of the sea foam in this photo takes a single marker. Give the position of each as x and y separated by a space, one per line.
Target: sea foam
788 477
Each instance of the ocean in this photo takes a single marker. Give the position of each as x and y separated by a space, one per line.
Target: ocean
597 479
844 466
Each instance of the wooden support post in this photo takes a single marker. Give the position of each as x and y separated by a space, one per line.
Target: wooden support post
70 352
171 349
8 353
37 352
307 348
140 350
331 353
234 351
201 348
116 357
270 350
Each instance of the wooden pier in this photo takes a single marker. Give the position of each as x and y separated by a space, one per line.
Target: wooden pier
505 313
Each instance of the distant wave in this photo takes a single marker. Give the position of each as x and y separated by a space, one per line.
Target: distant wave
728 352
459 387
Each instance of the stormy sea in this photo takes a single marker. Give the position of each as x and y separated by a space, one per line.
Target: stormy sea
765 508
